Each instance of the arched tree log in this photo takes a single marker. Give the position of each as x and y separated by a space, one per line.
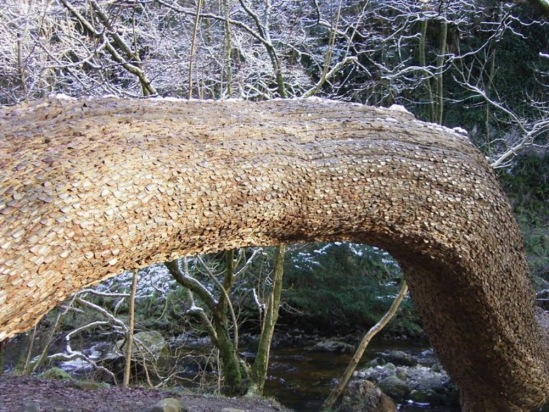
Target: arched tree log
90 188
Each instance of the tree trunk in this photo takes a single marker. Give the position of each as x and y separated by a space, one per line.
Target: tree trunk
235 383
193 46
218 327
130 332
423 63
261 362
439 77
89 188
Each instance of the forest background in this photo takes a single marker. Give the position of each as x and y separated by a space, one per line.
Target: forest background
482 66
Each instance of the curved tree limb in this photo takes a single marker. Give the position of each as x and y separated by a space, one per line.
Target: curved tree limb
89 188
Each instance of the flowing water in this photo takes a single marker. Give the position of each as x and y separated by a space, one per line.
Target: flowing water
301 379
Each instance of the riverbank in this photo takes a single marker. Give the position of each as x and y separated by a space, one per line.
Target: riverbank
301 373
28 393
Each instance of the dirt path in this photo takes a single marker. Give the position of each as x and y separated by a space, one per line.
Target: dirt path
31 394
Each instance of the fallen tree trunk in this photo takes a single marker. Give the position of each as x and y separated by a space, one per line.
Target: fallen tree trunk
89 188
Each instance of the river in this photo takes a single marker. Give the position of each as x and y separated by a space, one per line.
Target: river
301 379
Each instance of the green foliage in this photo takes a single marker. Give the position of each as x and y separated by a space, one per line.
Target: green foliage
527 185
343 287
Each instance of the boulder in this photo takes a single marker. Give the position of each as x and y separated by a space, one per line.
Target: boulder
90 385
402 373
399 358
430 381
364 396
395 387
168 405
419 383
149 350
332 345
56 374
432 386
150 344
32 406
542 298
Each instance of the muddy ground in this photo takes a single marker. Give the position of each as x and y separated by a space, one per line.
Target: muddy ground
31 394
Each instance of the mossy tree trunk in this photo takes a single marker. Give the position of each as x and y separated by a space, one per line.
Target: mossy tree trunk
261 362
219 324
234 374
130 331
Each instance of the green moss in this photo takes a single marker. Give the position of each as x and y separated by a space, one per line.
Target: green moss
90 386
55 374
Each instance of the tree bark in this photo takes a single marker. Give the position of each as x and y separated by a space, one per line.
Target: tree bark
89 188
130 332
219 328
234 376
261 362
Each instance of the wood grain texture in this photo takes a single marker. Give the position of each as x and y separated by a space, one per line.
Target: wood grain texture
89 188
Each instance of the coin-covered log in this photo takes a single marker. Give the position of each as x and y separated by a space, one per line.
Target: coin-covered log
89 188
